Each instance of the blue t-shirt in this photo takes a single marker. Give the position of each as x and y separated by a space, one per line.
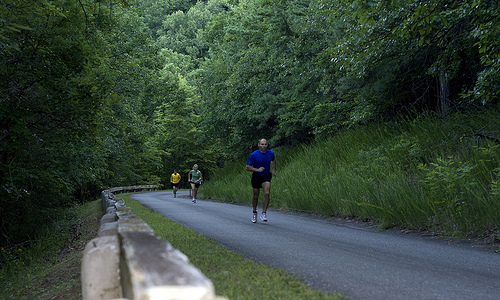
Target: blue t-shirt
258 159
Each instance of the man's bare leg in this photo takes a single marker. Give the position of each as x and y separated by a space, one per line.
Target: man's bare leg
255 199
267 190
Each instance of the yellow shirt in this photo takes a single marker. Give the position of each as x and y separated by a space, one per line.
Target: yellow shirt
175 178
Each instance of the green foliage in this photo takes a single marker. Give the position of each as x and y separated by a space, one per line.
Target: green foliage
173 137
486 34
495 185
404 44
449 181
154 11
177 134
47 111
65 100
294 70
183 32
422 174
254 79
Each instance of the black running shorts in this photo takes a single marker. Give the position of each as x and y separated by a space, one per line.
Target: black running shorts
257 180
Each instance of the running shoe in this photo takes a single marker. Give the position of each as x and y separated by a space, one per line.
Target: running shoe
254 218
263 217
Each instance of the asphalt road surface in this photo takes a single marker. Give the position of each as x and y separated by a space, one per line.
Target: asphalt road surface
341 257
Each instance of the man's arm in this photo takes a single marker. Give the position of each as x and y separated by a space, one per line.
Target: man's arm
252 169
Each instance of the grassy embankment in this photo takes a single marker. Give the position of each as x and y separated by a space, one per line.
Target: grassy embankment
50 267
432 174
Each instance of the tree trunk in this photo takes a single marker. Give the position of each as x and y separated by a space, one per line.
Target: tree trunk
444 93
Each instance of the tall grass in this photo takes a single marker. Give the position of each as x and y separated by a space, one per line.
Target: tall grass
426 174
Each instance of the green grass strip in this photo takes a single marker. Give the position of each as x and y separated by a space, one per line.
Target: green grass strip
233 276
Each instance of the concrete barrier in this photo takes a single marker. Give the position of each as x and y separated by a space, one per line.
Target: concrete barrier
128 261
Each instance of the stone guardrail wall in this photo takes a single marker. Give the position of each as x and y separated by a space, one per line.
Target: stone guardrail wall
128 261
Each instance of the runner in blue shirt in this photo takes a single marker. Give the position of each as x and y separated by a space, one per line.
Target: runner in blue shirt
260 162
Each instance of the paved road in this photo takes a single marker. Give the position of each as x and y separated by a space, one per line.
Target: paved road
336 256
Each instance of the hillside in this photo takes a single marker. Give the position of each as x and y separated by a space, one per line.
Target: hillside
428 174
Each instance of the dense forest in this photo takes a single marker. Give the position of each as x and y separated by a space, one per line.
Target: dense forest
102 93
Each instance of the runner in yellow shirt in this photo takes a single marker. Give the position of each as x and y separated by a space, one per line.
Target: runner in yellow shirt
175 178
